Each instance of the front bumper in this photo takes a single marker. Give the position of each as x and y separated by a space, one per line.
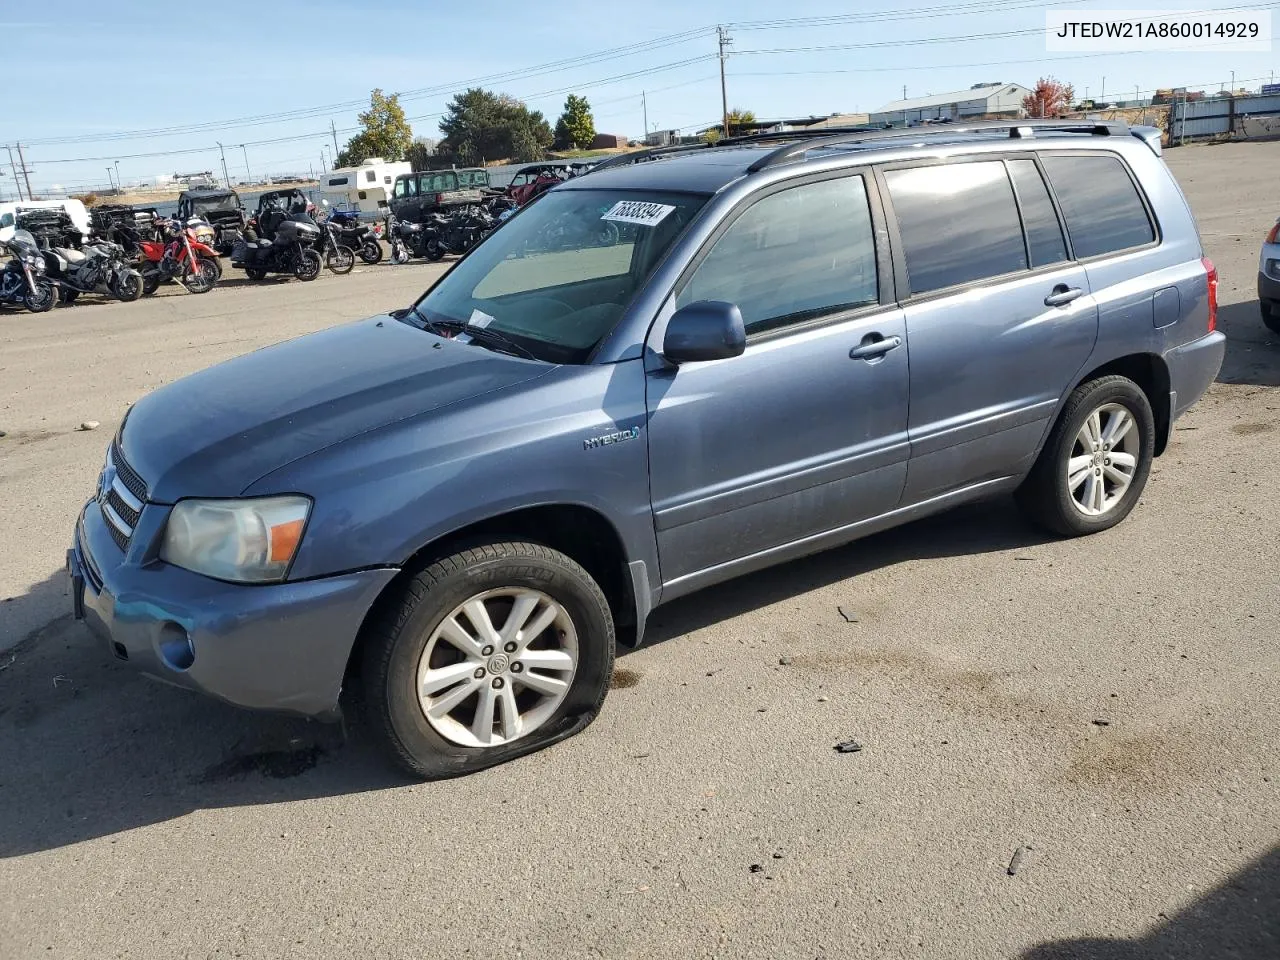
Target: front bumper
1192 369
272 647
1268 288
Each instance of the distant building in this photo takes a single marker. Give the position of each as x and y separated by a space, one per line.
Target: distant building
794 123
608 141
981 100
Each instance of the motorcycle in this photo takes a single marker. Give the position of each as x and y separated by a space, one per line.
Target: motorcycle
22 280
178 257
338 258
202 231
356 235
457 233
291 248
407 240
100 267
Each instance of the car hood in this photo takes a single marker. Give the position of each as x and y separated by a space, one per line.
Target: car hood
214 433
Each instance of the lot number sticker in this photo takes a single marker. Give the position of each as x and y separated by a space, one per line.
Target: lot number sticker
635 211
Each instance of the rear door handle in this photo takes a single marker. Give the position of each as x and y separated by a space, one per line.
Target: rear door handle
1062 295
874 345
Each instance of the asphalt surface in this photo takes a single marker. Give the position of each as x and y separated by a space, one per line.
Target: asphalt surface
1108 706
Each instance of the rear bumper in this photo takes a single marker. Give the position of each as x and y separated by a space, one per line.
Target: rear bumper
274 647
1192 368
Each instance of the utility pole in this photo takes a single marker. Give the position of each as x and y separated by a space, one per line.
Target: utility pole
26 174
247 174
119 182
14 167
323 164
113 186
723 36
226 177
1233 83
333 128
644 105
1103 95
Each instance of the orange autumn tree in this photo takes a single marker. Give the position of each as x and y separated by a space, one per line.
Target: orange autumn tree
1050 98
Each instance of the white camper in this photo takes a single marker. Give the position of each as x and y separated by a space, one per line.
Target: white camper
365 189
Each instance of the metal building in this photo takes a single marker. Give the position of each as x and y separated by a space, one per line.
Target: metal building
982 99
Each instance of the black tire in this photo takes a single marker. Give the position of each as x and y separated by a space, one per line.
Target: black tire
150 285
42 298
398 632
340 260
434 251
1045 496
203 278
1270 315
67 297
255 273
307 266
371 251
129 288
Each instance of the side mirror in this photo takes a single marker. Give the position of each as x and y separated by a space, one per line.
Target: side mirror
705 330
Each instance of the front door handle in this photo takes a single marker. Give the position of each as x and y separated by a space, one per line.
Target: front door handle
1062 295
874 345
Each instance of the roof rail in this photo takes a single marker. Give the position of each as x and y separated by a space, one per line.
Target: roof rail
639 156
1018 129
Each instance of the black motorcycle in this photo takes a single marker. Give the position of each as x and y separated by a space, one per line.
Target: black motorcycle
350 232
338 257
289 247
457 233
100 267
408 239
23 281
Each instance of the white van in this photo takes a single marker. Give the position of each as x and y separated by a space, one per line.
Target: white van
365 189
74 208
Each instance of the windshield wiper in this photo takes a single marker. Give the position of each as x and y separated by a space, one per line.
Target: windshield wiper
490 337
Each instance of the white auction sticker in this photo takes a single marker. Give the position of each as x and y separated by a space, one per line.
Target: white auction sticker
637 211
1137 31
479 319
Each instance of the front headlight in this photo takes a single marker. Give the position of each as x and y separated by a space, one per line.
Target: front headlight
248 541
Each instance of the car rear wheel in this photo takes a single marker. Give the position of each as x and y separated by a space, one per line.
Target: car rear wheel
1270 315
484 656
1095 463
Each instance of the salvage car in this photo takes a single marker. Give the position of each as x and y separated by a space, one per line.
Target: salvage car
447 516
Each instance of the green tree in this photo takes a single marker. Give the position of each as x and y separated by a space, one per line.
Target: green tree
576 128
384 132
480 125
738 121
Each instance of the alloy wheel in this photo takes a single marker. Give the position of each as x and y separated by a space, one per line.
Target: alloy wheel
1104 459
497 667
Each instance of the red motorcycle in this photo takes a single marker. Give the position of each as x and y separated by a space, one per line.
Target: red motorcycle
179 257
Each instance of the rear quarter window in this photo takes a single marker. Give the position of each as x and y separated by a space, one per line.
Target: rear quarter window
1100 204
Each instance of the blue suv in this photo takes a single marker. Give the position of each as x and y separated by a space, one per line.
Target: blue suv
683 366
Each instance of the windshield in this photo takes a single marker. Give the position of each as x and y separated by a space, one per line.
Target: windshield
558 277
22 242
224 204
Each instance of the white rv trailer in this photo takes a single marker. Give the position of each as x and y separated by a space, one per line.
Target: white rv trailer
364 189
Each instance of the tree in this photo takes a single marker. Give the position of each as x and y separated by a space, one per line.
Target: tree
419 154
385 132
1050 98
738 120
480 125
576 128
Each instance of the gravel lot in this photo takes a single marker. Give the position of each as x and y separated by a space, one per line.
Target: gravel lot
1109 703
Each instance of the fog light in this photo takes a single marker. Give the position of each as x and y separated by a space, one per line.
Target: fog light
175 647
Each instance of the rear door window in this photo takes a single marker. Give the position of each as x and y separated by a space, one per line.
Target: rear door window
1039 219
1101 205
959 223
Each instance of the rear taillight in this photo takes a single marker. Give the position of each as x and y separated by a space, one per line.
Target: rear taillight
1274 235
1211 274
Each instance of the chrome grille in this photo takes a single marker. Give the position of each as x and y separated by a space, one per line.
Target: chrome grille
121 495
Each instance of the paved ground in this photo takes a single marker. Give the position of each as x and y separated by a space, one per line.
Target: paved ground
140 821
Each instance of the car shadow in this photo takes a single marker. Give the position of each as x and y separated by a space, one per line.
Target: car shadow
1239 920
985 527
1253 351
89 748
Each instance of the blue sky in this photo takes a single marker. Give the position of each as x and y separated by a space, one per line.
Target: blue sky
98 69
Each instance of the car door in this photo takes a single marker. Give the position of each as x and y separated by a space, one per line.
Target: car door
999 317
805 432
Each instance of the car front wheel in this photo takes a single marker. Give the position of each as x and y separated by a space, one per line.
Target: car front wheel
485 656
1096 461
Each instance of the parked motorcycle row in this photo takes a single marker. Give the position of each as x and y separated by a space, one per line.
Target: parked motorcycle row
132 252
